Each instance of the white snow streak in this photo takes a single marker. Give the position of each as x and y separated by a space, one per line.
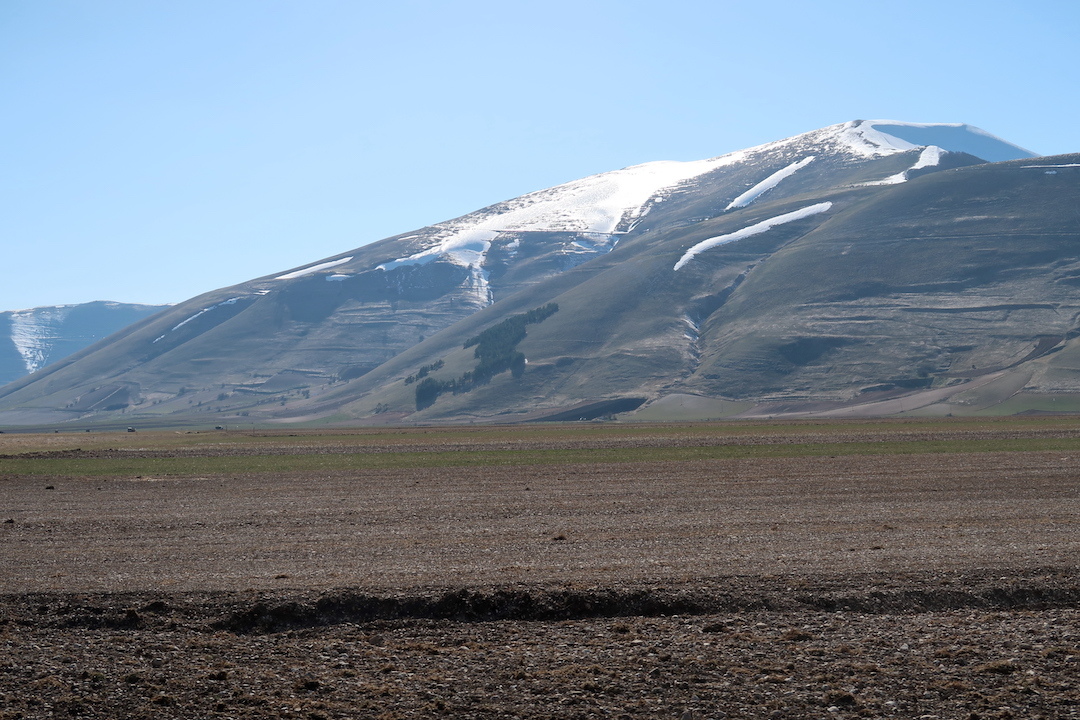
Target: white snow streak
929 157
33 332
479 285
513 247
863 137
182 323
596 204
466 247
768 183
872 138
896 179
313 268
755 229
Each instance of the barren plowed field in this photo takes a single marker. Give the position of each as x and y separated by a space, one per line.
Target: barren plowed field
902 569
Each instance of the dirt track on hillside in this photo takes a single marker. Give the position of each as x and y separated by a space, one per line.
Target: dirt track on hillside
875 586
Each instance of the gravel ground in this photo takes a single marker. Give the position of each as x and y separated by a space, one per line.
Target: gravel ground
921 586
199 656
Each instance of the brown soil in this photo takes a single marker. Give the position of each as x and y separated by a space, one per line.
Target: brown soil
875 586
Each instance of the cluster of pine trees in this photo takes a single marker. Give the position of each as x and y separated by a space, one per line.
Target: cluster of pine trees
496 351
423 372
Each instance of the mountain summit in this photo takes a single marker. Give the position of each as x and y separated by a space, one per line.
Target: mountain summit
872 266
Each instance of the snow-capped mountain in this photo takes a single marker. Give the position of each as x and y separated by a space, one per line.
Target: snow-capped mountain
852 261
593 212
31 339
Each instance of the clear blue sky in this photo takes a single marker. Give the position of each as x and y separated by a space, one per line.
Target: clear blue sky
151 151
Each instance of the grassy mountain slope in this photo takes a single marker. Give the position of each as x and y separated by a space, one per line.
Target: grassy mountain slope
921 285
941 278
902 280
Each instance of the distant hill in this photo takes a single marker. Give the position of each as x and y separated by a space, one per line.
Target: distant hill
871 267
31 339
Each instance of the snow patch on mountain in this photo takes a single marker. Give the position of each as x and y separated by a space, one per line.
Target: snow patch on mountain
513 247
185 321
34 331
478 283
768 183
313 269
870 138
597 209
862 138
466 247
929 157
954 137
755 229
593 206
597 204
693 330
593 243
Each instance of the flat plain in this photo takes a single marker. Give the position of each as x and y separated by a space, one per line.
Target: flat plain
794 570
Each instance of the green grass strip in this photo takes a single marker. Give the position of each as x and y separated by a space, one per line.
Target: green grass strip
240 464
